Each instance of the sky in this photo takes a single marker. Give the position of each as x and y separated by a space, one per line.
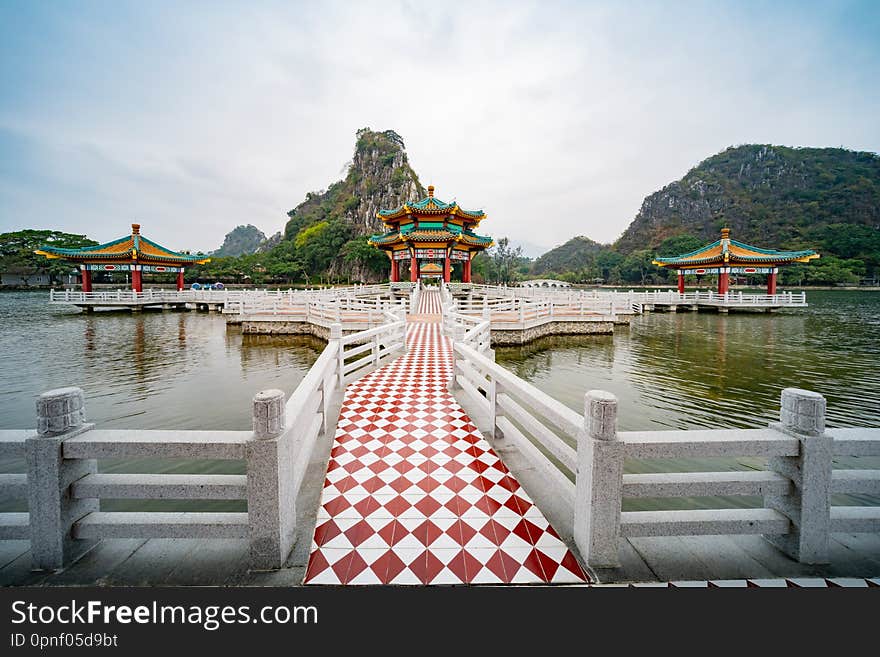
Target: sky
556 118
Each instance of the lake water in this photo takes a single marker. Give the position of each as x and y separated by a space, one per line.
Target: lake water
706 370
187 370
686 370
149 370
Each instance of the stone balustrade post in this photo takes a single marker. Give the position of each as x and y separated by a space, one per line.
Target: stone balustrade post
598 483
336 335
61 415
808 505
271 500
457 336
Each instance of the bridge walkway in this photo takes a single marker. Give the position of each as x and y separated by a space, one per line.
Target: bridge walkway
415 495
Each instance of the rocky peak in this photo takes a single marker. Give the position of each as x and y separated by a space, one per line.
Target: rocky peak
379 177
241 240
774 196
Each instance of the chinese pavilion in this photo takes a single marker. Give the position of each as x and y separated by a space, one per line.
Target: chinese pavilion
132 253
726 256
431 232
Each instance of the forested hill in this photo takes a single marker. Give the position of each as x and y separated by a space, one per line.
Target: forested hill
771 196
576 253
241 240
325 236
826 199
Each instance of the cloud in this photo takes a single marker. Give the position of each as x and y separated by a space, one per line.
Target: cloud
556 118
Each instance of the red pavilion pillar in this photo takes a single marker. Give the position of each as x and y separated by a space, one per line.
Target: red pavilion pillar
136 284
446 268
180 280
395 270
723 280
680 282
414 269
466 271
771 281
86 279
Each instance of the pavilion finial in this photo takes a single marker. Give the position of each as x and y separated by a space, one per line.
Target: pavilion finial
135 229
725 233
431 191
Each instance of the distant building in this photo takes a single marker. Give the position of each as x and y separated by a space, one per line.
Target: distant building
133 253
24 279
726 256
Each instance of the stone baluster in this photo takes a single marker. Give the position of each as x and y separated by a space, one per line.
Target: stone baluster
807 505
599 481
61 415
271 502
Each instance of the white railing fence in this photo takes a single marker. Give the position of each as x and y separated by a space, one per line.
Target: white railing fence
63 486
415 295
581 458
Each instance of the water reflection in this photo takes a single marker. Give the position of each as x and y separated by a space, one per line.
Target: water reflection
543 355
145 370
683 370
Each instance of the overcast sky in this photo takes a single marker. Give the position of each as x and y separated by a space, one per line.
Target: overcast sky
556 118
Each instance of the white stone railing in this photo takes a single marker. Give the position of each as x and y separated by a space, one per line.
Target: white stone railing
369 348
226 296
63 486
496 295
415 295
581 458
521 314
157 296
350 311
730 298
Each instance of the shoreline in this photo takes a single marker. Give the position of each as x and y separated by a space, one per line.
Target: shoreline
234 286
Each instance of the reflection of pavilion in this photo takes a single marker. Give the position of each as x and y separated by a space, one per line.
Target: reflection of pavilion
726 256
431 235
132 253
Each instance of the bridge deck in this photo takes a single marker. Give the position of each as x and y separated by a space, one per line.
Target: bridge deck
415 495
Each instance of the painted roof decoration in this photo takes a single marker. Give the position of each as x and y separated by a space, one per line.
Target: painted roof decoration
727 251
431 225
134 247
431 268
430 206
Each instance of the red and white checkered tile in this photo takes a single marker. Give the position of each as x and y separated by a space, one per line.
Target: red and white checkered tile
415 495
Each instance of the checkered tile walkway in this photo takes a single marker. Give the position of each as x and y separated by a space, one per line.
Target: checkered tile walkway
429 302
415 495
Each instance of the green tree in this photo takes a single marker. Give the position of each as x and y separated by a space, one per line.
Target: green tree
319 245
832 271
17 252
358 253
679 245
637 267
607 264
505 259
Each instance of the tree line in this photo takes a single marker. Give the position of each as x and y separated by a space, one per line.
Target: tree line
327 252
